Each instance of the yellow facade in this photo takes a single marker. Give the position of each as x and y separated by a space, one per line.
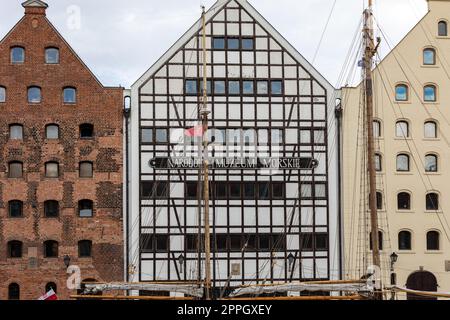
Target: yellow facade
403 65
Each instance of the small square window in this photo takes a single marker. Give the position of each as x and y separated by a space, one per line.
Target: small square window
263 87
248 44
52 132
34 95
52 170
208 87
15 170
147 135
16 132
191 87
86 170
219 87
161 136
51 56
248 87
233 44
235 190
276 87
221 191
219 43
85 208
234 87
70 95
17 55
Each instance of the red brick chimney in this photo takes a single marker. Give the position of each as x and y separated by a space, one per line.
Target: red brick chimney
35 7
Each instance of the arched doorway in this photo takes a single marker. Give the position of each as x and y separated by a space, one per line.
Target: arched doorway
423 281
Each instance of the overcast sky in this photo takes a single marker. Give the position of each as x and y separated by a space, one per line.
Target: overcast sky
120 40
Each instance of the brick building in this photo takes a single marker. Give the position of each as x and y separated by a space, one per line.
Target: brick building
60 164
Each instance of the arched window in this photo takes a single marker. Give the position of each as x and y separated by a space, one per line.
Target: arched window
401 92
432 201
378 161
16 132
85 208
86 169
34 95
402 129
15 208
51 209
379 201
404 240
84 248
52 132
51 55
70 95
429 57
377 128
51 286
2 94
403 163
429 93
433 240
13 291
404 201
442 29
50 249
52 169
86 131
431 163
380 240
15 249
15 169
17 55
430 129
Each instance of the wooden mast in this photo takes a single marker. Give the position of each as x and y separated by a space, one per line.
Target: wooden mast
369 52
204 114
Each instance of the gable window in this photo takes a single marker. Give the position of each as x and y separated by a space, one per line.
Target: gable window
85 208
233 44
276 87
403 201
52 132
401 92
70 95
84 248
402 129
13 291
86 131
15 209
442 29
248 44
404 240
433 240
50 249
429 93
219 43
2 94
34 95
14 249
86 169
429 57
16 132
15 169
51 286
430 129
432 201
17 55
51 209
376 129
431 163
403 163
52 55
52 169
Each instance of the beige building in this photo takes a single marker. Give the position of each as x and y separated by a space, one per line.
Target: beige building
412 129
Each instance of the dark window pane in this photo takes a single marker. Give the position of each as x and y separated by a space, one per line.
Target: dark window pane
17 55
264 242
146 242
321 241
34 95
84 249
307 241
15 209
86 130
247 87
404 201
233 44
380 240
161 243
51 55
15 249
15 170
70 95
264 191
278 190
191 87
235 190
278 242
155 190
404 240
248 44
249 190
221 190
51 286
219 43
13 291
250 243
442 29
276 87
191 190
379 201
86 170
86 208
51 209
235 242
50 249
221 242
432 201
433 240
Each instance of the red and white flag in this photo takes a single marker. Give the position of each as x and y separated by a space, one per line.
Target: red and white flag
51 295
196 131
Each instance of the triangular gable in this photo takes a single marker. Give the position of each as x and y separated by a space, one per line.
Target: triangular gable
215 9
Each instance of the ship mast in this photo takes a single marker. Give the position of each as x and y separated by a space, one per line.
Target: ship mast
204 115
369 52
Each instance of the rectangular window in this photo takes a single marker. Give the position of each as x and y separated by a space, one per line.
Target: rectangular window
219 87
52 170
86 170
249 190
319 136
247 87
221 191
264 242
16 132
2 94
191 190
250 243
264 191
321 190
235 190
234 87
147 135
220 242
15 170
154 190
305 136
233 44
218 43
161 136
248 44
306 190
208 87
263 87
306 242
321 241
278 190
235 242
278 242
276 87
191 87
154 242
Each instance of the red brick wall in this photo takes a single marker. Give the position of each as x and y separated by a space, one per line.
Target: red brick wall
97 105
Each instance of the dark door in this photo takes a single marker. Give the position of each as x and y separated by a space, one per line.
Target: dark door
422 281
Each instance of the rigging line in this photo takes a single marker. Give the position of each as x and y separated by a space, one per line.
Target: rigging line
324 31
414 158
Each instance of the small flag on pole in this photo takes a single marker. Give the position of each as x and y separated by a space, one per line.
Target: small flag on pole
51 295
196 131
